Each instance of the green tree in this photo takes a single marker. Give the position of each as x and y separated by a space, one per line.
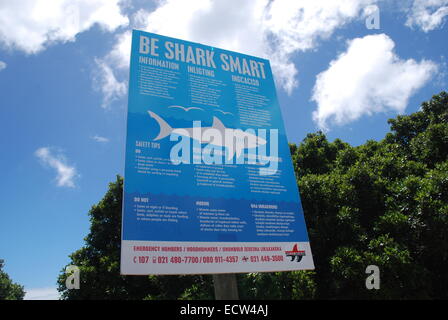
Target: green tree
99 263
383 203
8 289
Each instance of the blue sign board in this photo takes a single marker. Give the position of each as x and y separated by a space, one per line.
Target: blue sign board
209 182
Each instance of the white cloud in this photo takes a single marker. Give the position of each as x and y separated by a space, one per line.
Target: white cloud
30 25
270 29
366 79
115 62
65 174
106 82
120 55
2 65
427 14
100 139
41 294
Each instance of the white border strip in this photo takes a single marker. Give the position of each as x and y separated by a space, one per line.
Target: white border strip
171 257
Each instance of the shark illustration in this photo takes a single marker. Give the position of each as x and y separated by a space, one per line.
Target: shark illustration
247 140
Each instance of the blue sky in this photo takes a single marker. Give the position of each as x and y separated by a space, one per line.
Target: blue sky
63 94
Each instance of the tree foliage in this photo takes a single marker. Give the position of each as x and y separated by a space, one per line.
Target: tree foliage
8 289
383 203
99 262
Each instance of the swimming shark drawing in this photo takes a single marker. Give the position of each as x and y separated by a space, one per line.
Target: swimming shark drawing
247 140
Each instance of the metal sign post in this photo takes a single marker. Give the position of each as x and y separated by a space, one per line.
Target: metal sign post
226 287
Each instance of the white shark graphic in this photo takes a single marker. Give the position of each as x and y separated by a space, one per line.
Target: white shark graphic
247 139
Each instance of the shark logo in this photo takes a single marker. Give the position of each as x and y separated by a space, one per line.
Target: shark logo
295 254
235 140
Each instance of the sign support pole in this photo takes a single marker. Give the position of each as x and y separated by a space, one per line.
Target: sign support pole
225 286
